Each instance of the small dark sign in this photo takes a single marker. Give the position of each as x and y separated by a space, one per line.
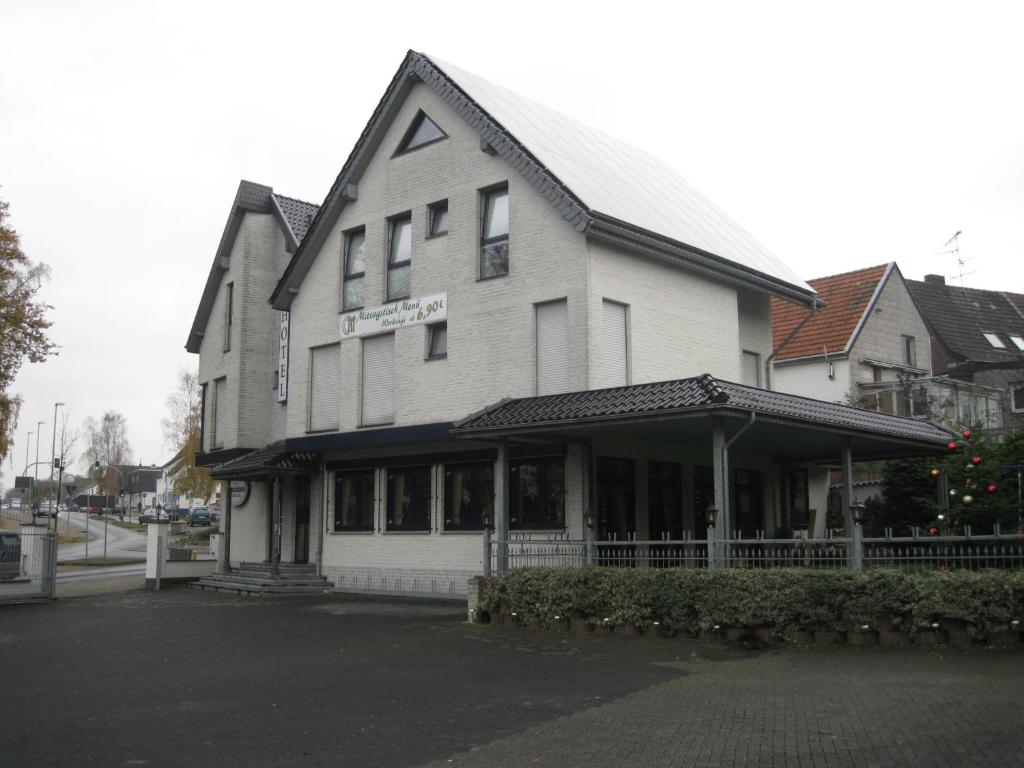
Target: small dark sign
23 482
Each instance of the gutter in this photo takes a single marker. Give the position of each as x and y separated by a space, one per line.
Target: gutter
769 378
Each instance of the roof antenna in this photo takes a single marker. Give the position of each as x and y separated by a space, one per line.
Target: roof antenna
955 252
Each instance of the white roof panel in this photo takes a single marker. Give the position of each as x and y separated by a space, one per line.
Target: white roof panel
619 180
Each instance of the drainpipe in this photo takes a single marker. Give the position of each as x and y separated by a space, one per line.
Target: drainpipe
725 506
769 376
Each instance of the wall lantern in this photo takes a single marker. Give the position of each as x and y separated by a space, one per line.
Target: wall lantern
858 512
712 515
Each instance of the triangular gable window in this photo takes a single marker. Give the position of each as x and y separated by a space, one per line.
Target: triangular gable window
423 131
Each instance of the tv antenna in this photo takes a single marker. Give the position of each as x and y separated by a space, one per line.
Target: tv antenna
955 253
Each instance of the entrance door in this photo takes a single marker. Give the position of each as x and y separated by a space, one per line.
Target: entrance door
665 500
616 495
302 520
748 509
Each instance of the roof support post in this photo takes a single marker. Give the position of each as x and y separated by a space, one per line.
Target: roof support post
501 504
225 525
720 464
275 528
846 496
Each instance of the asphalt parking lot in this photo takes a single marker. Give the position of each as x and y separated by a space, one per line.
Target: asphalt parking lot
190 678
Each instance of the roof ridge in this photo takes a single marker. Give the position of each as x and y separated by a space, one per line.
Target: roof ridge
297 200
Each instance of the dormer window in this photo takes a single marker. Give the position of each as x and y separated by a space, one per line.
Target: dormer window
422 131
994 340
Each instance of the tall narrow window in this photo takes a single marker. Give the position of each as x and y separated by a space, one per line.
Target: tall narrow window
378 380
353 500
751 372
399 257
409 498
437 341
494 233
665 499
468 496
615 345
422 131
1017 396
909 351
324 387
537 494
355 270
552 347
204 420
229 314
220 413
438 216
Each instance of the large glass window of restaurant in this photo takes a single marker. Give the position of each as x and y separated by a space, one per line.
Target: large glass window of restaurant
399 257
494 233
355 270
353 500
703 498
408 499
747 503
468 495
537 494
665 499
616 499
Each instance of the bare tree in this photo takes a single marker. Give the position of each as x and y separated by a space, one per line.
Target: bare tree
182 431
23 323
107 444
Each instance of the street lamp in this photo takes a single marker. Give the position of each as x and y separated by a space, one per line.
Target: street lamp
97 467
35 482
53 449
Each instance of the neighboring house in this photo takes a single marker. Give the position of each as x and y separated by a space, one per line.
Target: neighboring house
501 317
977 340
139 485
870 346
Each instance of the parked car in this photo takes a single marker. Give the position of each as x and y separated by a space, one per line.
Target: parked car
10 556
46 509
199 516
151 515
15 502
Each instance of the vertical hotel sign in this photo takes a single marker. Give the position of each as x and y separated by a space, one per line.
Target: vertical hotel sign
282 360
398 314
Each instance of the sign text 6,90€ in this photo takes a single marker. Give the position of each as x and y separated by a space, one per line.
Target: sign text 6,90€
398 314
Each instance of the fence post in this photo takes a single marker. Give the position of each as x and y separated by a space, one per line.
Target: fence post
51 540
487 550
588 544
857 548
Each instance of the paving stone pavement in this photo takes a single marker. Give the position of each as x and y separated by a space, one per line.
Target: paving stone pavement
813 707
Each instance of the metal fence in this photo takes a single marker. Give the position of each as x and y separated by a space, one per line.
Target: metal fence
968 551
28 564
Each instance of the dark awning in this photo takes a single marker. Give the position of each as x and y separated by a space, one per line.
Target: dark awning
274 459
786 425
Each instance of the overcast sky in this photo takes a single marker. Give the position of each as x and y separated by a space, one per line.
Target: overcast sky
839 138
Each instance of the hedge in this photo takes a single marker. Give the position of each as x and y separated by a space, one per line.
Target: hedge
784 599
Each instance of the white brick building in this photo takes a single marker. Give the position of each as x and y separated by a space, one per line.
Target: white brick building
477 248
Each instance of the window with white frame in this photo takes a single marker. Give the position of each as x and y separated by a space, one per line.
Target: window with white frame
437 341
324 387
751 372
399 257
909 351
355 270
494 225
1017 396
614 345
378 380
552 347
219 408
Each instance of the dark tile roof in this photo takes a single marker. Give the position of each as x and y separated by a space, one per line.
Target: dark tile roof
846 296
273 457
958 316
299 213
694 394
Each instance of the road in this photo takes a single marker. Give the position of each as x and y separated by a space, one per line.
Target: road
121 542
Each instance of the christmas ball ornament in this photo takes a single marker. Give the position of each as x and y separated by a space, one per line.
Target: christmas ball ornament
951 446
933 531
968 467
968 498
952 491
991 487
936 472
975 459
967 434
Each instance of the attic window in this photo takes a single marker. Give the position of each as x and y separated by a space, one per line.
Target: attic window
421 132
994 340
1018 342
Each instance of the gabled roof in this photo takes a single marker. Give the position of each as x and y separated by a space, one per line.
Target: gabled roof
958 317
293 215
848 298
606 188
695 395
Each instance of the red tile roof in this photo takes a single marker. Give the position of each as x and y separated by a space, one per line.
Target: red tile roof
846 298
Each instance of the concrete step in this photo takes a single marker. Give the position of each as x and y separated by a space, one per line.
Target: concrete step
247 587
